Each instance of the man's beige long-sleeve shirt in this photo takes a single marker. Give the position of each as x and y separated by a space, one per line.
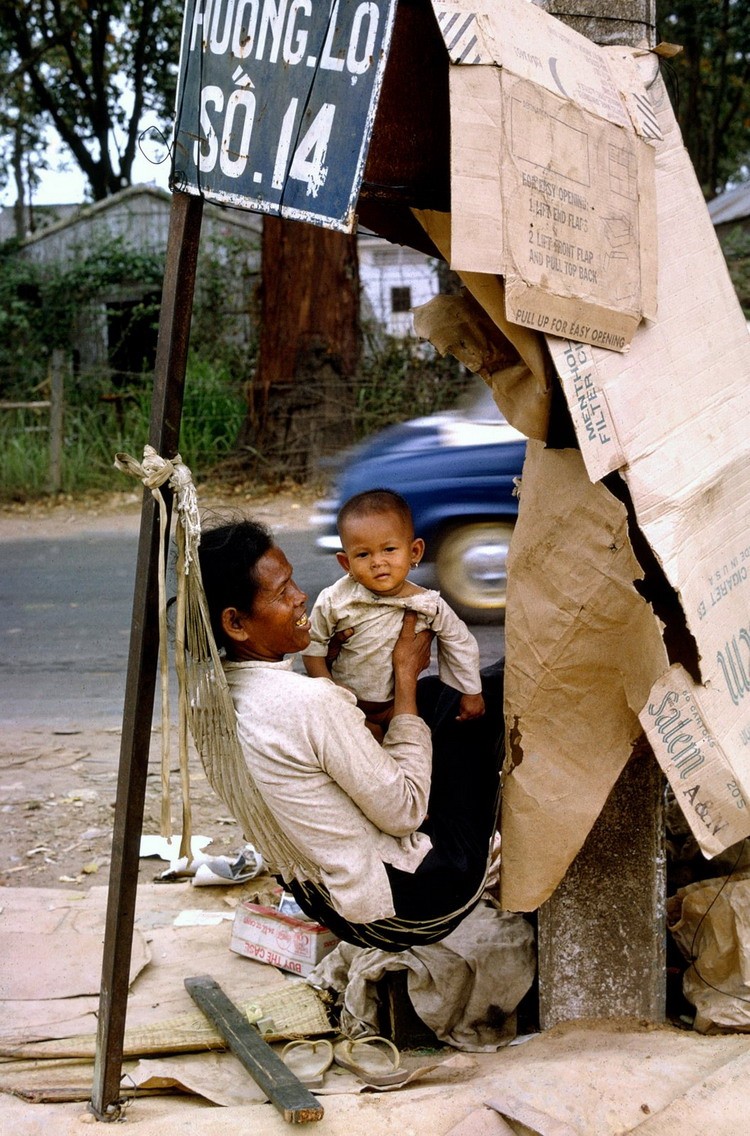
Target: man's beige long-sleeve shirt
348 802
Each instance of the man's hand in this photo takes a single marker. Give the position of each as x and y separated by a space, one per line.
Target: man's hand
412 651
411 655
335 643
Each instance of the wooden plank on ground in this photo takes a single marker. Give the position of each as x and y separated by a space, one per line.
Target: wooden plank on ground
285 1091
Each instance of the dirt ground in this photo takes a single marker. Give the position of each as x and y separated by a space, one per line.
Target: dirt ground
57 797
57 790
58 802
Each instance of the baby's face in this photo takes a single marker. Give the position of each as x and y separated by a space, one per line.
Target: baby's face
379 550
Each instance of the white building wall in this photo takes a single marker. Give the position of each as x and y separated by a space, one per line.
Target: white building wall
384 267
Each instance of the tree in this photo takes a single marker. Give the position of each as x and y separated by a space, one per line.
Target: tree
90 69
710 85
21 148
308 351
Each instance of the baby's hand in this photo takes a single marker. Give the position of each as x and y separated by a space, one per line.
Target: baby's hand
471 706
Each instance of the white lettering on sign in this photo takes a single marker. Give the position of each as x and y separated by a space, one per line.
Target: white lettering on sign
244 102
205 153
360 58
295 40
307 163
267 29
308 160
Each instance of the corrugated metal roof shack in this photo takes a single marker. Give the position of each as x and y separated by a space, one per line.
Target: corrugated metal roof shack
138 217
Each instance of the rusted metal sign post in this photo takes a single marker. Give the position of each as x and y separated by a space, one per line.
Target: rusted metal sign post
166 411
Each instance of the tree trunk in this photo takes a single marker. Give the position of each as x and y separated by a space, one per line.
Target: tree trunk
19 209
301 397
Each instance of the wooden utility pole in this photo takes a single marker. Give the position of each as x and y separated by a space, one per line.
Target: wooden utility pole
301 399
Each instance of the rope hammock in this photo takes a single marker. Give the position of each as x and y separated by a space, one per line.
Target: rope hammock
205 705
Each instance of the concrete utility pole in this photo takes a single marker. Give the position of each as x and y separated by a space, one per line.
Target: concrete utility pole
607 21
601 936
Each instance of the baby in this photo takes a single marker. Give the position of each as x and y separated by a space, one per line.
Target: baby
379 549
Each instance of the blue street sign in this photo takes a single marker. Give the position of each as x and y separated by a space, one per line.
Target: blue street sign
276 101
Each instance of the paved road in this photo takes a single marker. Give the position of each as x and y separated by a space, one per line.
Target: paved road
65 611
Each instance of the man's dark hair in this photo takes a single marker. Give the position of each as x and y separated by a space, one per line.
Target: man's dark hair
375 501
229 553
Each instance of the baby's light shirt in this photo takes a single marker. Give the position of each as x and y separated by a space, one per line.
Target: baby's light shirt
365 663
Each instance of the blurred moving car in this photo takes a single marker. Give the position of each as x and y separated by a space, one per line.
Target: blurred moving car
457 470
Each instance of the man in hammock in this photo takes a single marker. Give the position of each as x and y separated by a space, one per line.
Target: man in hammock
386 844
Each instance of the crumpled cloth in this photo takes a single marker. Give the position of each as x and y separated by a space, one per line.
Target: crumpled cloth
710 922
465 988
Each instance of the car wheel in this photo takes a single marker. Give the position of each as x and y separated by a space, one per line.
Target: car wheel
471 564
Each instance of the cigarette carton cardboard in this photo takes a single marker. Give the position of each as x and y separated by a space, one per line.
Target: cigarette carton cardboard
551 171
672 415
262 933
582 649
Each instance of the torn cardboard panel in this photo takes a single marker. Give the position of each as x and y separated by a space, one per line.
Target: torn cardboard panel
523 395
607 1079
680 720
594 423
459 326
526 40
477 141
65 964
582 647
673 415
218 1077
551 178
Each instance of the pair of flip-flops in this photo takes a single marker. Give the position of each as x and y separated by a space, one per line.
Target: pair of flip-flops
375 1060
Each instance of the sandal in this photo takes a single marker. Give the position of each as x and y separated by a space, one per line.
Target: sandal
308 1060
375 1060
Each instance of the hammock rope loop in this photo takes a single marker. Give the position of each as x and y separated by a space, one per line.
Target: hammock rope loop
205 706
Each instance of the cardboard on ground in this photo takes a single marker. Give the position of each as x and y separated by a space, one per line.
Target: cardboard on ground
672 416
551 176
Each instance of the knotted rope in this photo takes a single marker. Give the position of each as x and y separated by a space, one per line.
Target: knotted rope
154 472
205 702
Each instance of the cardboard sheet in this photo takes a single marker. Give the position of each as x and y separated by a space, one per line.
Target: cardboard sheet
673 415
522 395
590 1079
32 969
40 1003
551 173
218 1077
459 326
582 647
609 1080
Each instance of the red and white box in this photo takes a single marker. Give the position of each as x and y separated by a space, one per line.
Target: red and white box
264 934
